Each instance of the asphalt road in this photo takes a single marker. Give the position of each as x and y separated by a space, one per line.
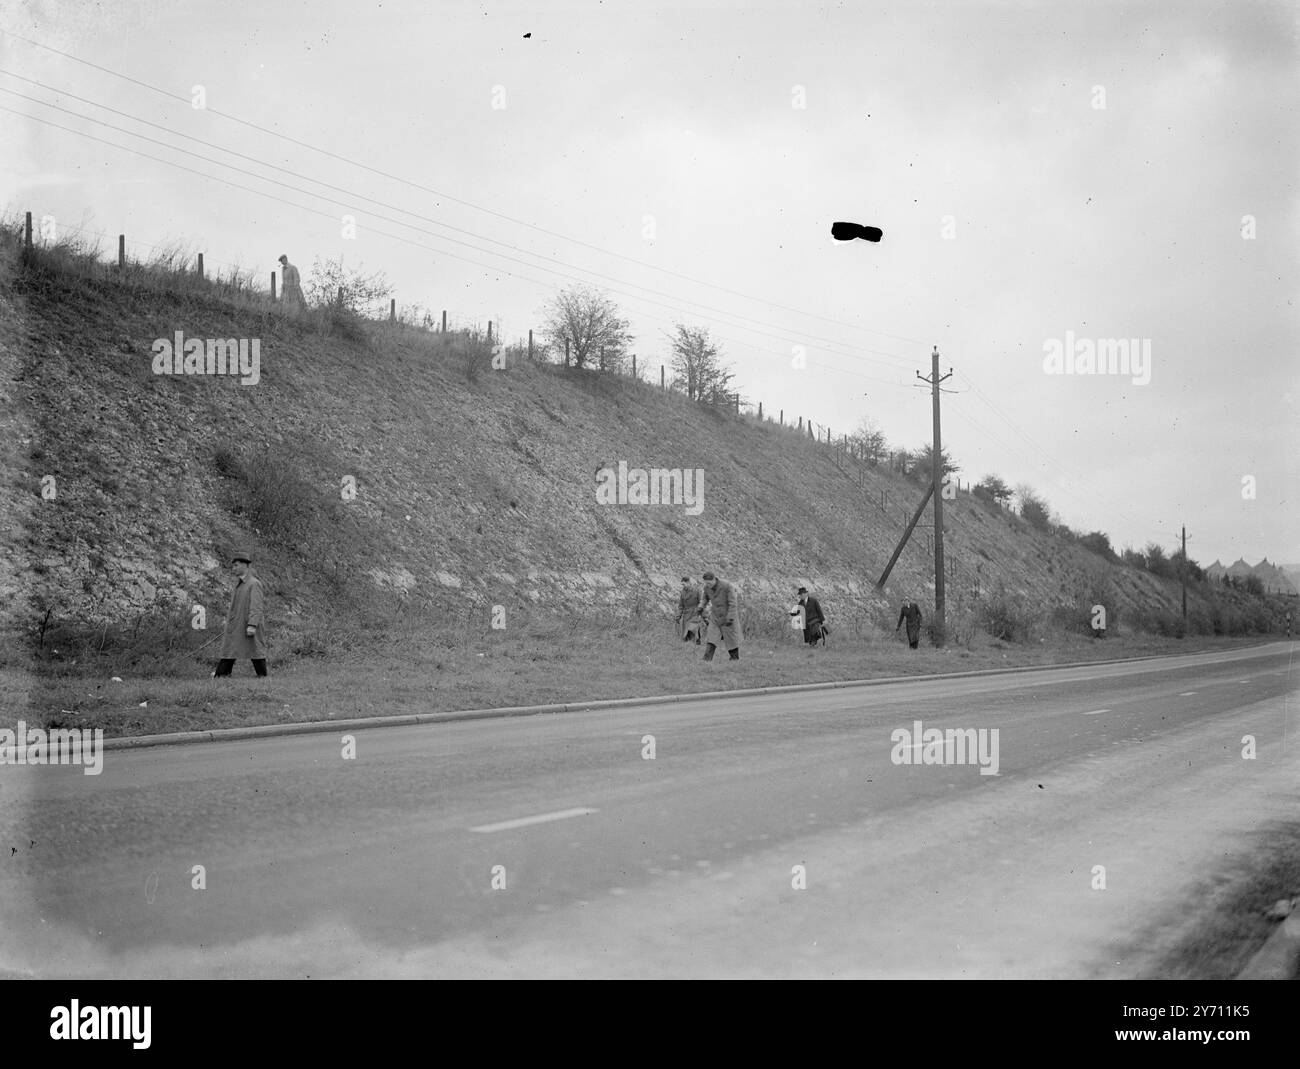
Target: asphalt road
771 836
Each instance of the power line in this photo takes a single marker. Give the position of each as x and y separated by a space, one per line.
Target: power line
549 287
456 200
515 221
398 222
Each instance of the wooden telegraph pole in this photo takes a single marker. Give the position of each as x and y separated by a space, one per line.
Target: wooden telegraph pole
936 495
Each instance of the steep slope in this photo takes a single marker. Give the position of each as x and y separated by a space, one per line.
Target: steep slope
473 487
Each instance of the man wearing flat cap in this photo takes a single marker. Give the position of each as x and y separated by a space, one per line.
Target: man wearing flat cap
724 617
245 621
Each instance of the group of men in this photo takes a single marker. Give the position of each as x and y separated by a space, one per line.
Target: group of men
711 615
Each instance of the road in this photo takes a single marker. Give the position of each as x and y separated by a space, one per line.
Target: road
767 837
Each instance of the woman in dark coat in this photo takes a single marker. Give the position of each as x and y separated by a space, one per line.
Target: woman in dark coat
912 615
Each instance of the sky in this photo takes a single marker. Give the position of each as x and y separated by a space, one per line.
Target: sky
1048 177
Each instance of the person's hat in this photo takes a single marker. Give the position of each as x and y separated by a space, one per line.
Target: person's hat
241 555
708 575
284 259
803 590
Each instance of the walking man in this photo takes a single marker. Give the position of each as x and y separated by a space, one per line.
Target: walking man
688 607
291 298
724 617
814 623
912 615
245 622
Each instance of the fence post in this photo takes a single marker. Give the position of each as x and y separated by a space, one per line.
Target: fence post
634 365
444 321
200 265
801 423
272 285
27 232
760 410
530 345
661 377
783 417
602 358
489 331
566 352
121 250
392 309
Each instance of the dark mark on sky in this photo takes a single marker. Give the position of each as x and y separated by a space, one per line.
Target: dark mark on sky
849 231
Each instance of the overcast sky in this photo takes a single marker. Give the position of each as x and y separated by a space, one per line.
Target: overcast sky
1037 169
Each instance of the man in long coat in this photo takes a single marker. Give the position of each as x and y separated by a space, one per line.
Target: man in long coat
814 623
246 620
688 611
912 615
291 298
724 617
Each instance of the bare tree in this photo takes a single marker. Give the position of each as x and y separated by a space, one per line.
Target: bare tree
870 439
348 289
591 323
697 365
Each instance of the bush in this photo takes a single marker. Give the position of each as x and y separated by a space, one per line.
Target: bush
1010 617
475 355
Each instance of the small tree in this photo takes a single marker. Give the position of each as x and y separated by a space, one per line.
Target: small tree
1033 508
923 460
870 439
994 489
1158 563
592 325
696 362
331 285
1099 543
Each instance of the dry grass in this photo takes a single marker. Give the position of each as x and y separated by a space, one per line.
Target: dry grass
549 662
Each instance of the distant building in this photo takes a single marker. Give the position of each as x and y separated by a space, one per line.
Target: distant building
1275 580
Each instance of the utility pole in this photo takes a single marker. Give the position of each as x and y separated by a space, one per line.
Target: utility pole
1184 571
936 477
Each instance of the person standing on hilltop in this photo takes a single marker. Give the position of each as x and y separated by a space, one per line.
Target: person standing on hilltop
246 620
724 617
291 298
912 615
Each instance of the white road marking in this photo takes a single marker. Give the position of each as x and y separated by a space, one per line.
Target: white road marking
541 818
1187 694
1096 712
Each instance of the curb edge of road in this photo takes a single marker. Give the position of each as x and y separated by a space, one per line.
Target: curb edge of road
1279 957
179 738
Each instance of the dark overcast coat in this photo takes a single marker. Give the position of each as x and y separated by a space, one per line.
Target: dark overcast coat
246 610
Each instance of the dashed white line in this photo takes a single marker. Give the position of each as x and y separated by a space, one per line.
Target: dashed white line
1187 694
541 818
1096 712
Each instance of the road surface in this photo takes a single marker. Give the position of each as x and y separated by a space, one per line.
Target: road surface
776 836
